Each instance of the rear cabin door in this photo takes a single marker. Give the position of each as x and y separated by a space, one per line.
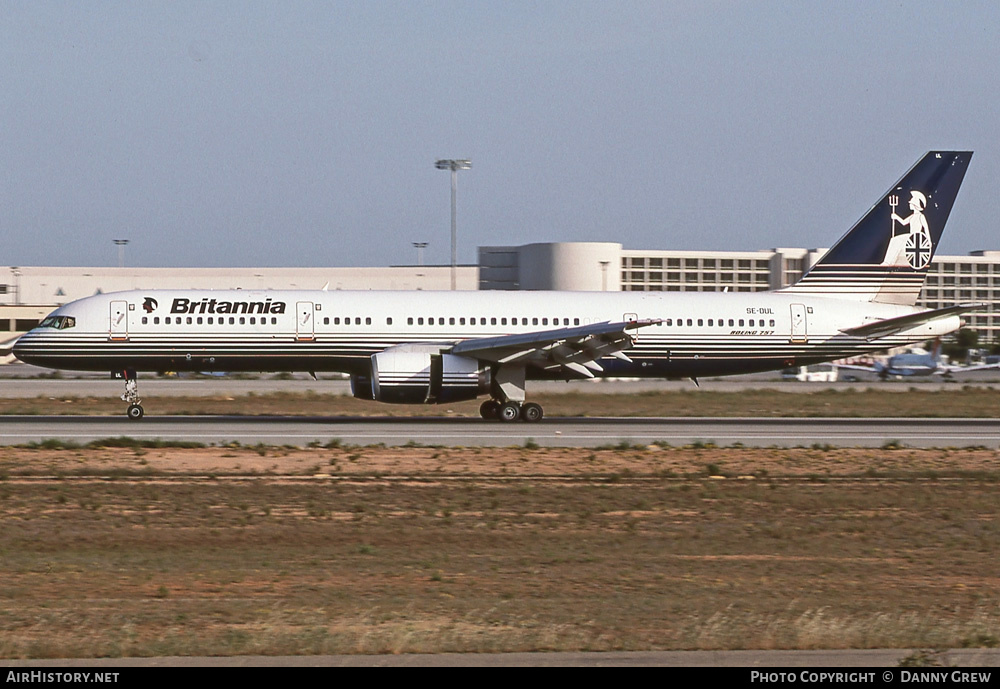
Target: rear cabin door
305 325
118 326
799 324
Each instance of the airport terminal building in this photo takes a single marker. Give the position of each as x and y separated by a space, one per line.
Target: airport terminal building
28 294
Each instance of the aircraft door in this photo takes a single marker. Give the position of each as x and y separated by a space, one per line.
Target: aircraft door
799 331
118 324
305 322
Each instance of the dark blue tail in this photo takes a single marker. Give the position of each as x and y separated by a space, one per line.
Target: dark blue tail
885 256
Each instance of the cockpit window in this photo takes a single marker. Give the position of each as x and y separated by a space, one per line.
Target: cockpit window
58 322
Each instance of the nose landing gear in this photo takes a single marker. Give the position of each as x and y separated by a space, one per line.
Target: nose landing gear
135 411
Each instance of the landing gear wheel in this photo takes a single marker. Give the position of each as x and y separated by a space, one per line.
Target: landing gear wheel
509 411
135 412
489 409
531 412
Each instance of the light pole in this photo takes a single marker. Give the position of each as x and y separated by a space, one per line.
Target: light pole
121 243
454 166
420 246
17 284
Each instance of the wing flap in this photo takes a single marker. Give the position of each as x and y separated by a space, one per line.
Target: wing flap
574 349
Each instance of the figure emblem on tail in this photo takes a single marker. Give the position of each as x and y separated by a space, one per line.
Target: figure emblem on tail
912 247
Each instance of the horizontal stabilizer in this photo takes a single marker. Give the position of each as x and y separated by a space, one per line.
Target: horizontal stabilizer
888 326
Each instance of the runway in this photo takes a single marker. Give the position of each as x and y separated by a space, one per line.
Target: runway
551 432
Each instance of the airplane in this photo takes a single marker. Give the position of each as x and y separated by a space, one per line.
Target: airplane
916 362
7 350
441 347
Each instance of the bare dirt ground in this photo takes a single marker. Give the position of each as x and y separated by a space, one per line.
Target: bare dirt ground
131 551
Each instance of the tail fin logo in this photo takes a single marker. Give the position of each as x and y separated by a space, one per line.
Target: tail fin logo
912 246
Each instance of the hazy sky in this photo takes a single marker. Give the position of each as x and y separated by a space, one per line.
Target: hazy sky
305 133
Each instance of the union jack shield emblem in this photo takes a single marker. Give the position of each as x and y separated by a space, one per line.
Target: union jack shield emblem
918 250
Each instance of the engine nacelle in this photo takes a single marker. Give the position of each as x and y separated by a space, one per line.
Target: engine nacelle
421 374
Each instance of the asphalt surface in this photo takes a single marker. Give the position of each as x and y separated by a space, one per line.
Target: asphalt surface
551 432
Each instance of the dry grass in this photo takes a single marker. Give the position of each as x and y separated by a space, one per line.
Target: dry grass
163 551
898 401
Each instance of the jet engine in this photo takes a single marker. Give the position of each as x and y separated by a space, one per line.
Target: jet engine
421 374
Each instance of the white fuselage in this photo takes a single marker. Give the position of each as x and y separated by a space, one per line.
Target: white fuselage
699 334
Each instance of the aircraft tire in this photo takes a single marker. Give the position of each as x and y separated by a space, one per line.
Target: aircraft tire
509 411
531 412
489 409
135 412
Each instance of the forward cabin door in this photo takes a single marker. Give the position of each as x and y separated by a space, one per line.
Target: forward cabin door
305 321
800 331
118 326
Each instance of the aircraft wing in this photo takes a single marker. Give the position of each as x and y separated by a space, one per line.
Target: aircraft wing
7 347
887 326
946 370
858 367
575 349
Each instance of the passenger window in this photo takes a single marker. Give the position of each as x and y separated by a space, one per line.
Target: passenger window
731 322
576 321
503 321
461 320
709 323
199 320
156 320
441 320
357 320
451 321
243 320
232 320
144 321
700 323
741 322
409 321
534 321
772 322
420 321
493 321
326 321
388 321
368 320
167 320
253 320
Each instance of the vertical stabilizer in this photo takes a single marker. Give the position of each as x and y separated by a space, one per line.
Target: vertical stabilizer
885 256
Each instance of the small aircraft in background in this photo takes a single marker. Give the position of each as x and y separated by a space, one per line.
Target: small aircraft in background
7 350
916 362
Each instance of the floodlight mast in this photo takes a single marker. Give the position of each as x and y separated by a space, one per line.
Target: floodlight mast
454 166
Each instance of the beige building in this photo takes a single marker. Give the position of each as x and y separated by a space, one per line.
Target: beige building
590 266
27 294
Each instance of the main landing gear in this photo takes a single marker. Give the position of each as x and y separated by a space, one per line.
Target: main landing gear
131 396
507 391
511 411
